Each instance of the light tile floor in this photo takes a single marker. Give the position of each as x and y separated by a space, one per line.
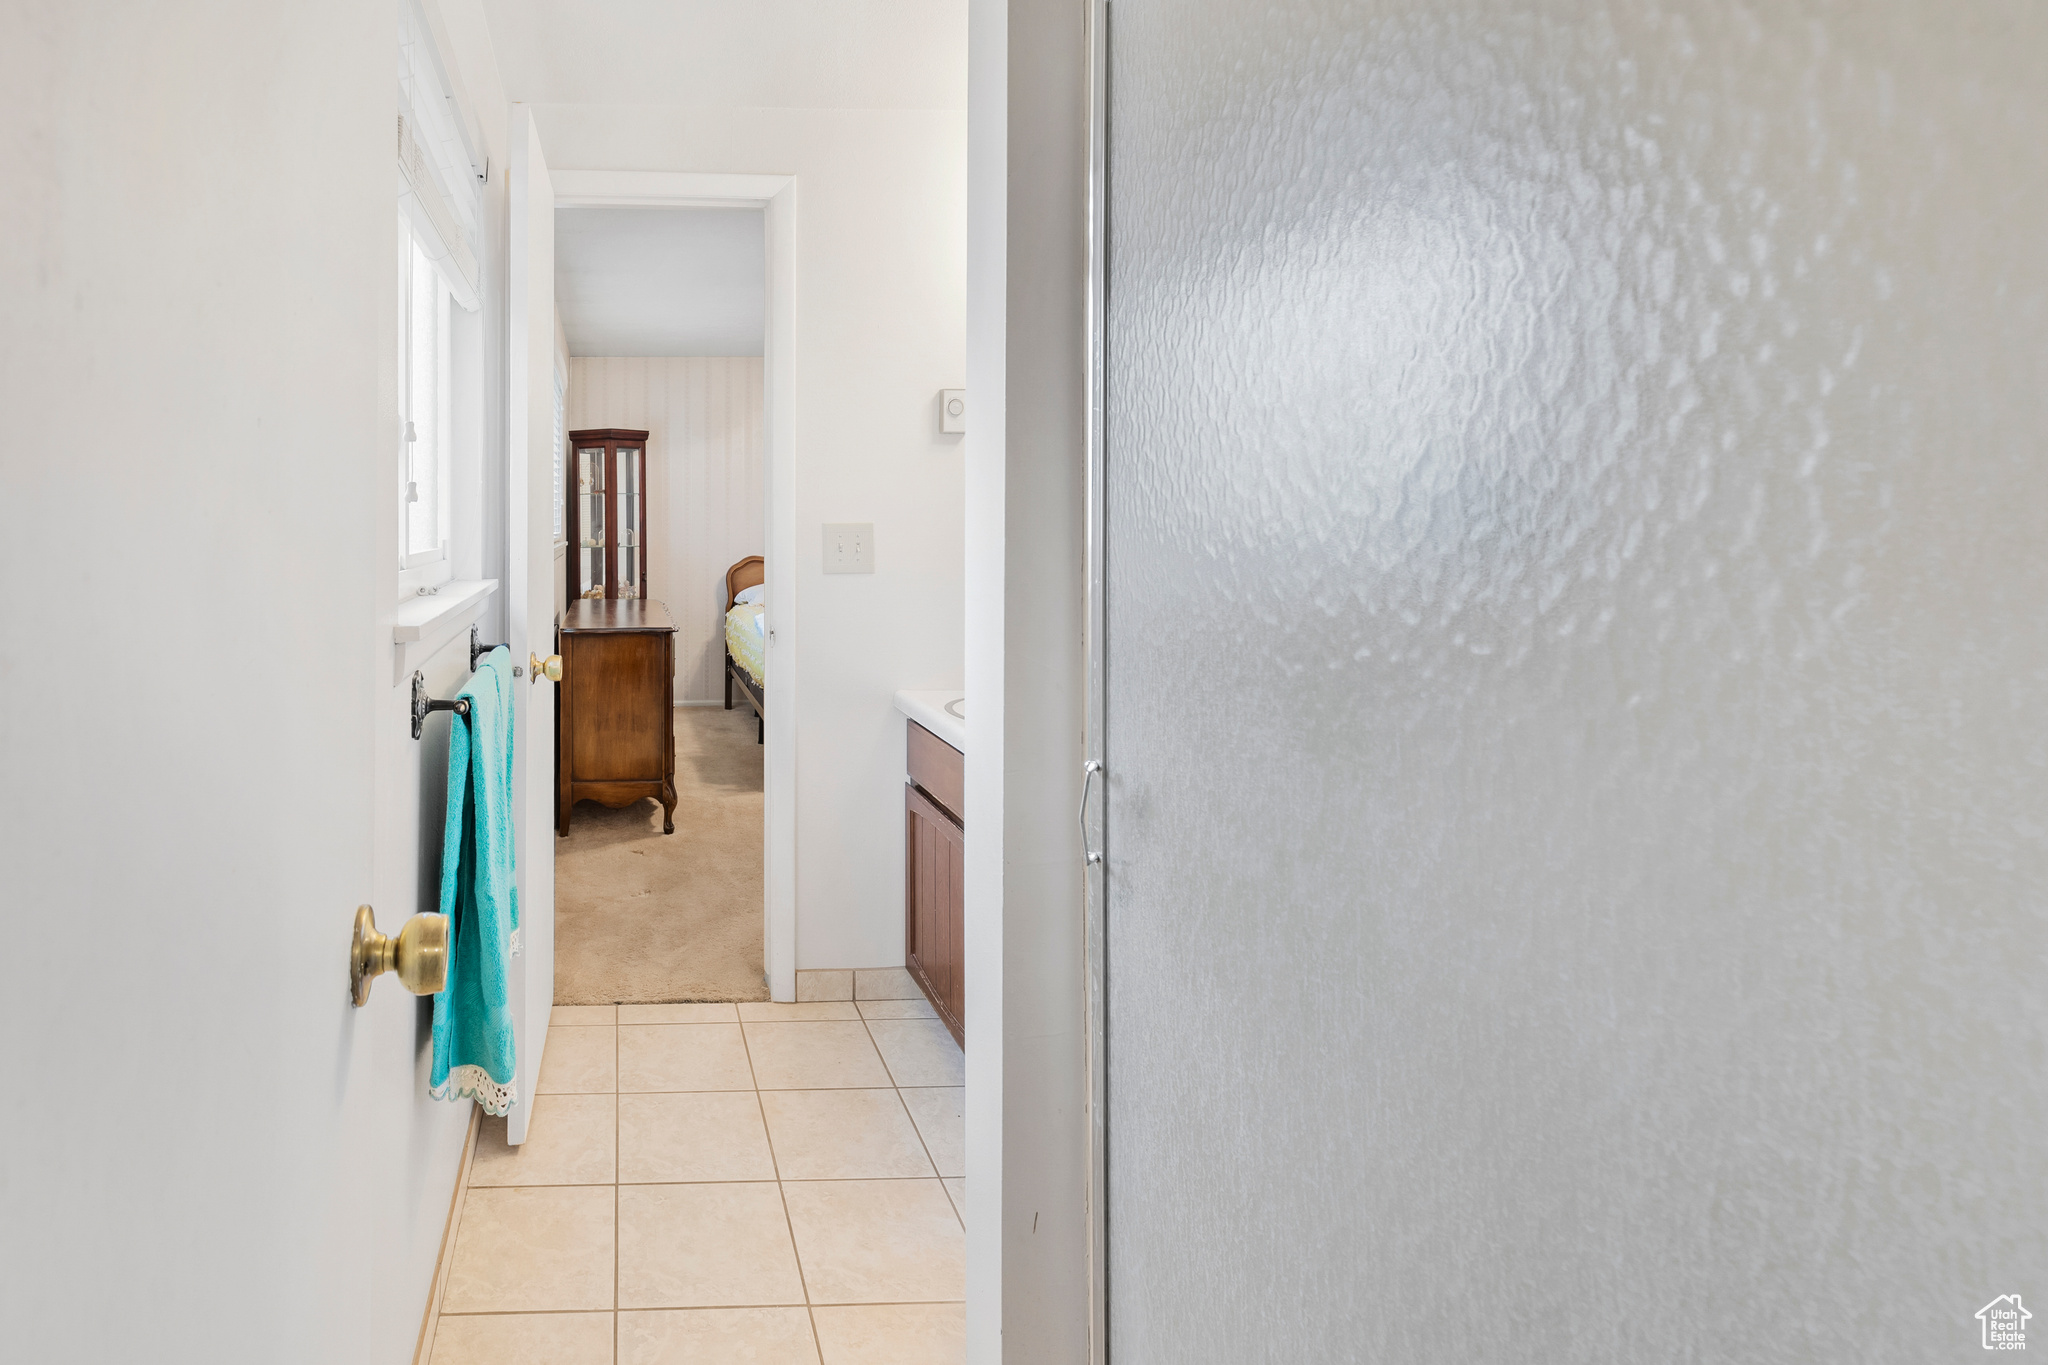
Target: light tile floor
780 1184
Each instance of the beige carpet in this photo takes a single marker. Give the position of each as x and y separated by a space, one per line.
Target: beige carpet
643 917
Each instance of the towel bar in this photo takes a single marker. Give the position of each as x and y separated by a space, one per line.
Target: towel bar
424 705
477 650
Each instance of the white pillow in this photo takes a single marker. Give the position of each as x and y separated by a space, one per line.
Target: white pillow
757 593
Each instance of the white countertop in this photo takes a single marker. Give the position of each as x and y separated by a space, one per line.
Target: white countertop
929 710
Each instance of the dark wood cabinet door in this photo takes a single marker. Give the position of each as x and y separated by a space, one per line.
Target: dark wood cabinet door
934 886
928 955
954 841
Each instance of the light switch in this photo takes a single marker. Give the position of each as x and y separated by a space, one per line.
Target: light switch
952 411
849 547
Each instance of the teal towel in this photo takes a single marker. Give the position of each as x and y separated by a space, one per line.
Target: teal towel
473 1051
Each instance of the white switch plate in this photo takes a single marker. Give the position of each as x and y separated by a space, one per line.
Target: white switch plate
952 411
849 547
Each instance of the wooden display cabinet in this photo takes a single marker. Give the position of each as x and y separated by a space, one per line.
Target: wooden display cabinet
607 514
615 737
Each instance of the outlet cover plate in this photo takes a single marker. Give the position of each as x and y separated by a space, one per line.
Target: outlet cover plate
849 547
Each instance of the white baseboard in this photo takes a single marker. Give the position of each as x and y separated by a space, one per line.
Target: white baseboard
423 1350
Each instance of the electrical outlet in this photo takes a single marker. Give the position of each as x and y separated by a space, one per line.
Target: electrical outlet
849 547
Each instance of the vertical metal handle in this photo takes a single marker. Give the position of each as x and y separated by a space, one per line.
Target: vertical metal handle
1088 770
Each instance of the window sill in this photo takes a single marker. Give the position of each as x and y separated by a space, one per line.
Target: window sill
423 625
432 575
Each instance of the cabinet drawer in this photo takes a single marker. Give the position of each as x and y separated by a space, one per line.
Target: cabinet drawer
939 768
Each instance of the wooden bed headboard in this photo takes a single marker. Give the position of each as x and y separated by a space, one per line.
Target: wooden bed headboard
745 574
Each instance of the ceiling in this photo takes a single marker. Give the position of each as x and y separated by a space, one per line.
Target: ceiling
792 54
654 281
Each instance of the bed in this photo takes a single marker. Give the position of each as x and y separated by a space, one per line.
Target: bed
746 641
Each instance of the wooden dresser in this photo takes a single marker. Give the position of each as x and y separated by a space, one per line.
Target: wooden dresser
935 873
615 730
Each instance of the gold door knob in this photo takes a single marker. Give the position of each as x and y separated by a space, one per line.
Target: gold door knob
419 955
550 666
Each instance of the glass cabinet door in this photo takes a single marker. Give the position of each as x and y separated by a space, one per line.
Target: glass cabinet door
607 513
630 470
590 518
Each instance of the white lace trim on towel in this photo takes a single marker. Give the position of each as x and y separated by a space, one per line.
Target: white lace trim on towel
515 943
476 1082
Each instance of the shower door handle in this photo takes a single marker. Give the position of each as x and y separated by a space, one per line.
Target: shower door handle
1088 771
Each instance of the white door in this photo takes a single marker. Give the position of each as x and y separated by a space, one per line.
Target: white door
531 593
195 688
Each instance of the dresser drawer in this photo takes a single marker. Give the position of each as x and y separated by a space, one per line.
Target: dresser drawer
939 768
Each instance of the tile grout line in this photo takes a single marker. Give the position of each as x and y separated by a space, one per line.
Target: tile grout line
897 1090
744 1089
781 1195
696 1308
809 1180
617 1127
958 1216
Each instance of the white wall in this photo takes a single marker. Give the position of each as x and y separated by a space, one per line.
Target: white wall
1027 1250
711 54
412 774
880 214
208 1152
865 107
702 416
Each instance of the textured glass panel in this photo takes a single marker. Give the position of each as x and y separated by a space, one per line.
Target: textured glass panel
591 531
1577 514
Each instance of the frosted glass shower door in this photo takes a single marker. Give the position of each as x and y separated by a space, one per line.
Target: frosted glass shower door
1574 514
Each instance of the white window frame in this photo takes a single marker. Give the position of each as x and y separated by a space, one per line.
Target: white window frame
441 170
426 423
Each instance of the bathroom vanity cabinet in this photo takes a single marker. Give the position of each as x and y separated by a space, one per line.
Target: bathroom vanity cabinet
935 873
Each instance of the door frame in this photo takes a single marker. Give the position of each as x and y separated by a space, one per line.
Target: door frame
527 576
1095 875
775 195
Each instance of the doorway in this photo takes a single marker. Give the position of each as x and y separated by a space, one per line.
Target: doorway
674 302
817 1145
662 317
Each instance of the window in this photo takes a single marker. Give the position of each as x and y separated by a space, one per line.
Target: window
438 476
427 412
561 472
